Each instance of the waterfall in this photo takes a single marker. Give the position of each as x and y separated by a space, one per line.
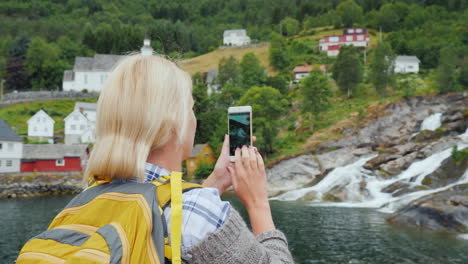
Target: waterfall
432 122
361 188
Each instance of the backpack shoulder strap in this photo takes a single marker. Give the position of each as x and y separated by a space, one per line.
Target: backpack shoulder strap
169 189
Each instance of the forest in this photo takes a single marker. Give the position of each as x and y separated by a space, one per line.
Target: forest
41 38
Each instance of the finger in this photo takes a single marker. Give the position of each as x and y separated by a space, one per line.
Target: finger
254 138
260 164
225 148
245 157
232 173
238 160
253 158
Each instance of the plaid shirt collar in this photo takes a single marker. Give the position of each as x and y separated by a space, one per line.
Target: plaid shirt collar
153 172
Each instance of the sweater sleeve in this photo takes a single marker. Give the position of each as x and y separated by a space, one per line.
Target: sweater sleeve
235 243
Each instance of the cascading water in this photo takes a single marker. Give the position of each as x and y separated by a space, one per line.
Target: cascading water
360 188
432 122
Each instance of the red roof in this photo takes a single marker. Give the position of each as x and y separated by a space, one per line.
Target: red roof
303 68
334 47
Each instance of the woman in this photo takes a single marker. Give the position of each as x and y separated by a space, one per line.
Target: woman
146 127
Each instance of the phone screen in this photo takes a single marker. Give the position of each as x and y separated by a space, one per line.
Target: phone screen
239 131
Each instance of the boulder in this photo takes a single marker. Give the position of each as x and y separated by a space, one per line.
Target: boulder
443 211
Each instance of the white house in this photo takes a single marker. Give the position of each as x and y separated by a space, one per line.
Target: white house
301 72
357 37
41 125
236 37
77 125
11 149
89 72
87 109
407 64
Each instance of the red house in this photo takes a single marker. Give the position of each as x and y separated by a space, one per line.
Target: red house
357 37
54 157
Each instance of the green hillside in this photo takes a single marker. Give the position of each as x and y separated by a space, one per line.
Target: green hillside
18 114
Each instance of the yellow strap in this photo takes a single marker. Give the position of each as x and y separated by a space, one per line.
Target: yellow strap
176 216
164 191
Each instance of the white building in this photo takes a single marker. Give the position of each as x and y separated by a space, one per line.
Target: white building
301 72
41 125
78 128
211 81
236 37
11 149
87 109
407 64
90 73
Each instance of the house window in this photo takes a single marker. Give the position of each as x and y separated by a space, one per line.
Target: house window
59 162
45 129
102 79
82 127
73 127
358 30
192 163
35 129
349 38
410 67
86 79
9 163
0 163
360 37
10 146
75 117
0 146
207 154
351 31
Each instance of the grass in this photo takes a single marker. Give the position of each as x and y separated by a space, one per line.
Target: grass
17 115
343 114
205 62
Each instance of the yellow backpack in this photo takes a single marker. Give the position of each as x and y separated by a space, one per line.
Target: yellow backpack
114 223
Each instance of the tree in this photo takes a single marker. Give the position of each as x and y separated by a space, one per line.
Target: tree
350 13
463 77
229 71
268 104
289 26
387 18
17 77
446 71
316 93
44 64
279 82
278 52
253 74
347 70
382 68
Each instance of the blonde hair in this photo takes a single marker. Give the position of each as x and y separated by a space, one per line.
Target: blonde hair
145 101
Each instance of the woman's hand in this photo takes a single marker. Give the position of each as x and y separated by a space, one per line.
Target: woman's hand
220 177
249 181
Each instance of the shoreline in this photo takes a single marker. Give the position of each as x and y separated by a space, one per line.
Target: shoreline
39 184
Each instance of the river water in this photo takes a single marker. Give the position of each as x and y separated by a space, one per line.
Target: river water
315 234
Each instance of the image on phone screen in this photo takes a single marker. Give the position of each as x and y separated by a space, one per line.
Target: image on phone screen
239 131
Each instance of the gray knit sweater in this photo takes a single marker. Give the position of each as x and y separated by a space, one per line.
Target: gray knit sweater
235 243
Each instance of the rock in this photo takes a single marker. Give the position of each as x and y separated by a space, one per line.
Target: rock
448 172
444 211
292 174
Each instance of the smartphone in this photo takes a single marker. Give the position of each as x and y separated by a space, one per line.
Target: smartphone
240 128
